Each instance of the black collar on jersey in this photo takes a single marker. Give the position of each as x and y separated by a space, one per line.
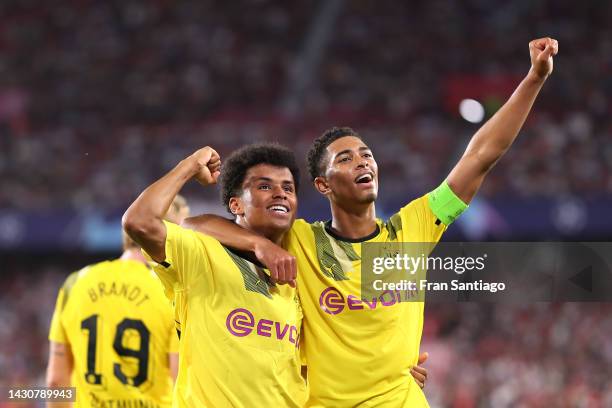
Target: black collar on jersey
335 235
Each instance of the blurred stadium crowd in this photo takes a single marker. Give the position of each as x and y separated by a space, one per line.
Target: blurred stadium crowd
537 355
97 99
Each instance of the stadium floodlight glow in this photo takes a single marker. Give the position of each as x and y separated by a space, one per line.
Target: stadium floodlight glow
471 110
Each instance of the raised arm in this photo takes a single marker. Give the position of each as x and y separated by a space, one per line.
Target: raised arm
494 138
281 264
143 220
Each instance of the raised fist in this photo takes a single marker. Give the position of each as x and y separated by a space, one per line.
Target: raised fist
541 52
209 165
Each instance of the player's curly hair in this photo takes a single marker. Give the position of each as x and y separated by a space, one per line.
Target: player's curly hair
235 167
317 151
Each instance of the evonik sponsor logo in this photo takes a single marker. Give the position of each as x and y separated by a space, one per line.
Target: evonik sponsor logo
332 301
241 323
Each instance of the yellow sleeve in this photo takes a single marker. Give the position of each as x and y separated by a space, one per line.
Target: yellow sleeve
56 332
426 218
185 257
417 222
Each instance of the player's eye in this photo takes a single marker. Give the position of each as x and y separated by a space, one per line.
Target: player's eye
368 155
264 187
288 189
344 159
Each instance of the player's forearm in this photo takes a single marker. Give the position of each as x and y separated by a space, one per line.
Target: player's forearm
494 138
143 220
60 365
57 380
282 265
225 231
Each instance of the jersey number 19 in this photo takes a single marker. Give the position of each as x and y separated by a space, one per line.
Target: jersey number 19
141 354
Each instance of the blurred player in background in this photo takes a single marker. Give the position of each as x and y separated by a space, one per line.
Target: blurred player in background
358 354
240 331
178 211
112 335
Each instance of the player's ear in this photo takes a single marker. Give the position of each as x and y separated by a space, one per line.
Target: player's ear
236 206
321 185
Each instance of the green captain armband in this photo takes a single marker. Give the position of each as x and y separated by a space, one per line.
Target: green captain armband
445 204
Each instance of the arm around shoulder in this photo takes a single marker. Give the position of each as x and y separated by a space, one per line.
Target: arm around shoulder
281 264
225 231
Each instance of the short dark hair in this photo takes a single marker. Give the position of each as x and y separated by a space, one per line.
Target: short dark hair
317 151
235 167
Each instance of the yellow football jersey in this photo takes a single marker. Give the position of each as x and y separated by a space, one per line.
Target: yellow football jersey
239 332
359 352
120 327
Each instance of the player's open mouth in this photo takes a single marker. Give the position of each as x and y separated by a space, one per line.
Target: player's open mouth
365 178
279 209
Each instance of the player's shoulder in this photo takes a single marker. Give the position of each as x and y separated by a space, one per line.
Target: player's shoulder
409 213
302 229
83 273
418 202
178 232
412 206
73 280
70 281
300 225
123 270
108 267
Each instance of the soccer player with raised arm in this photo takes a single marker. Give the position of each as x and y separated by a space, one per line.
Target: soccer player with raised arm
239 330
112 335
362 353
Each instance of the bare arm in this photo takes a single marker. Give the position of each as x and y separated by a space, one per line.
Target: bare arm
60 367
173 364
494 138
225 231
143 220
281 264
